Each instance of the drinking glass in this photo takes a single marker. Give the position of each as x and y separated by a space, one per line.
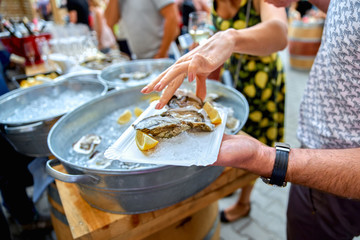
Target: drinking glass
199 26
30 52
43 49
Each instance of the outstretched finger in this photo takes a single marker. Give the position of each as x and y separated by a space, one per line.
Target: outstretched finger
169 91
177 70
201 87
150 87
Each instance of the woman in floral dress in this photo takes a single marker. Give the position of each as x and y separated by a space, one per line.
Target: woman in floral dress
260 79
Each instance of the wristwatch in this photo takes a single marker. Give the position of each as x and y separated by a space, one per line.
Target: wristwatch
280 166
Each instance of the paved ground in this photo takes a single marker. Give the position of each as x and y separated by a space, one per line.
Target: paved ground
267 219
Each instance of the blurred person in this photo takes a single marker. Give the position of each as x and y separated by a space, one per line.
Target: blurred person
328 124
150 26
121 38
78 11
260 79
105 36
15 177
188 6
44 8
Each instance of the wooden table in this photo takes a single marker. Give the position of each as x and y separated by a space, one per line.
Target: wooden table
41 68
86 222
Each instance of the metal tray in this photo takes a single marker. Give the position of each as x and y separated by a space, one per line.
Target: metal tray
152 67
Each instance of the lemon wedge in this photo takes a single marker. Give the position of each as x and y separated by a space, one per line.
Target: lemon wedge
154 98
138 111
124 117
144 141
212 113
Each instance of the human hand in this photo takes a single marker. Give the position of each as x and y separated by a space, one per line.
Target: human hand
196 64
201 5
281 3
245 152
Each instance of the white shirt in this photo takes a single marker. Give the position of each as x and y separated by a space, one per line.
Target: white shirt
330 108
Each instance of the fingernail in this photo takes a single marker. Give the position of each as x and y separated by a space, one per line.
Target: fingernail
157 86
160 105
144 89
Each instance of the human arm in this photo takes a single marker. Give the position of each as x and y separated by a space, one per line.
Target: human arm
98 27
73 16
112 13
331 170
204 59
171 28
321 4
201 5
72 13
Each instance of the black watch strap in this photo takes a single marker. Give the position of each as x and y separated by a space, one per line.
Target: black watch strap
280 166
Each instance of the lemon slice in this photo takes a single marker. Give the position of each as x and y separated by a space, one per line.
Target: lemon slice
138 111
144 141
212 113
154 98
124 117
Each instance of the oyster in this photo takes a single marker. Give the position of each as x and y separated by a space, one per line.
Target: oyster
134 75
87 144
185 99
184 113
161 126
196 120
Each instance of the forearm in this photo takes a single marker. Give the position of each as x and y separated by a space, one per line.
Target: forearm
112 13
262 39
171 30
334 171
170 34
72 16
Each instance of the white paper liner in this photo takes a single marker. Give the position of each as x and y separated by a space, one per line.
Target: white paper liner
186 149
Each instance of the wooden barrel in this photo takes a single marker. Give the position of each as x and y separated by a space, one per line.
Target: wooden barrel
202 225
304 42
58 217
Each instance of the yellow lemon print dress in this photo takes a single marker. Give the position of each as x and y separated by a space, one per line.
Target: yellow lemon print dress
261 80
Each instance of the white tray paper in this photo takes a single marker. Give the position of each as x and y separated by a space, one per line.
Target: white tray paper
186 149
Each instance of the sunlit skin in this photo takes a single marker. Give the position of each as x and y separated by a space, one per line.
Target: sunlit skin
332 170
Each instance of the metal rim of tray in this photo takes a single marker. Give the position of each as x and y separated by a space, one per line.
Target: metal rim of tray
22 91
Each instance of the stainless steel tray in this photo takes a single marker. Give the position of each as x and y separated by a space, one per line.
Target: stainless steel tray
129 191
112 75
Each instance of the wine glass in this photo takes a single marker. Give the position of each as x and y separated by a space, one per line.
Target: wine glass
43 49
30 52
199 26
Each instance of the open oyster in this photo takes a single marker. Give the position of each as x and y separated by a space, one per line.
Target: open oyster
184 113
161 126
185 99
87 144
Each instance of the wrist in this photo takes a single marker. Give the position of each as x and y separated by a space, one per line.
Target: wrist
267 162
231 36
278 175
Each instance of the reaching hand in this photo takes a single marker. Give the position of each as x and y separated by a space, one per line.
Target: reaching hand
196 64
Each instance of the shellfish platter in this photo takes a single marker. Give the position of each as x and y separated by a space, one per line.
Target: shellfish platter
185 149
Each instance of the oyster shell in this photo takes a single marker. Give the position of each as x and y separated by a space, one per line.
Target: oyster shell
87 144
185 99
196 120
161 126
175 121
